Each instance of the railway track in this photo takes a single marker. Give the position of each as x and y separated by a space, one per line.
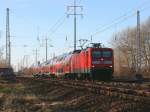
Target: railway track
134 92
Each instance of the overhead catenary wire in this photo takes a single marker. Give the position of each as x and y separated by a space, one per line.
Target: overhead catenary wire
113 24
52 30
56 26
58 23
130 11
122 18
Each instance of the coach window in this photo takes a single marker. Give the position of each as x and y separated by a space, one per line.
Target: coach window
107 54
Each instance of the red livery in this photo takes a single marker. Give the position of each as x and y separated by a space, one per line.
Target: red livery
94 63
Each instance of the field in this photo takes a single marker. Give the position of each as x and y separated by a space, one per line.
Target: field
31 95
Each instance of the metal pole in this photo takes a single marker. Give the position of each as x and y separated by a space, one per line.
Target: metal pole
46 49
138 45
8 49
91 38
75 14
75 23
36 56
9 53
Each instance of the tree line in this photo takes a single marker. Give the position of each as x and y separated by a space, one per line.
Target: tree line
124 44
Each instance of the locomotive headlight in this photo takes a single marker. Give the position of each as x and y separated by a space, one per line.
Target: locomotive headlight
93 66
110 66
102 59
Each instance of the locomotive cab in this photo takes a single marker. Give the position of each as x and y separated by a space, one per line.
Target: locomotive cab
101 62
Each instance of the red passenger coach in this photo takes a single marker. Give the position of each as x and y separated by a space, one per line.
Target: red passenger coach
94 63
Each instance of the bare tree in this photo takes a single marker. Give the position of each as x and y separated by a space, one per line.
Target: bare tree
125 48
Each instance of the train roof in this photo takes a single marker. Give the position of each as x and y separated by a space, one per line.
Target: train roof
76 51
57 59
67 56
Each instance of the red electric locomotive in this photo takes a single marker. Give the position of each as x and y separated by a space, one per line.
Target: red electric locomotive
94 62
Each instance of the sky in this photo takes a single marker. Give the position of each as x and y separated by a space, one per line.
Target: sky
31 21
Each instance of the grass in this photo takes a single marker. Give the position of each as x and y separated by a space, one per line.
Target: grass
6 90
11 89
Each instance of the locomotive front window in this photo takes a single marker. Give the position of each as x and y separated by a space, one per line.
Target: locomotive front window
96 54
107 54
